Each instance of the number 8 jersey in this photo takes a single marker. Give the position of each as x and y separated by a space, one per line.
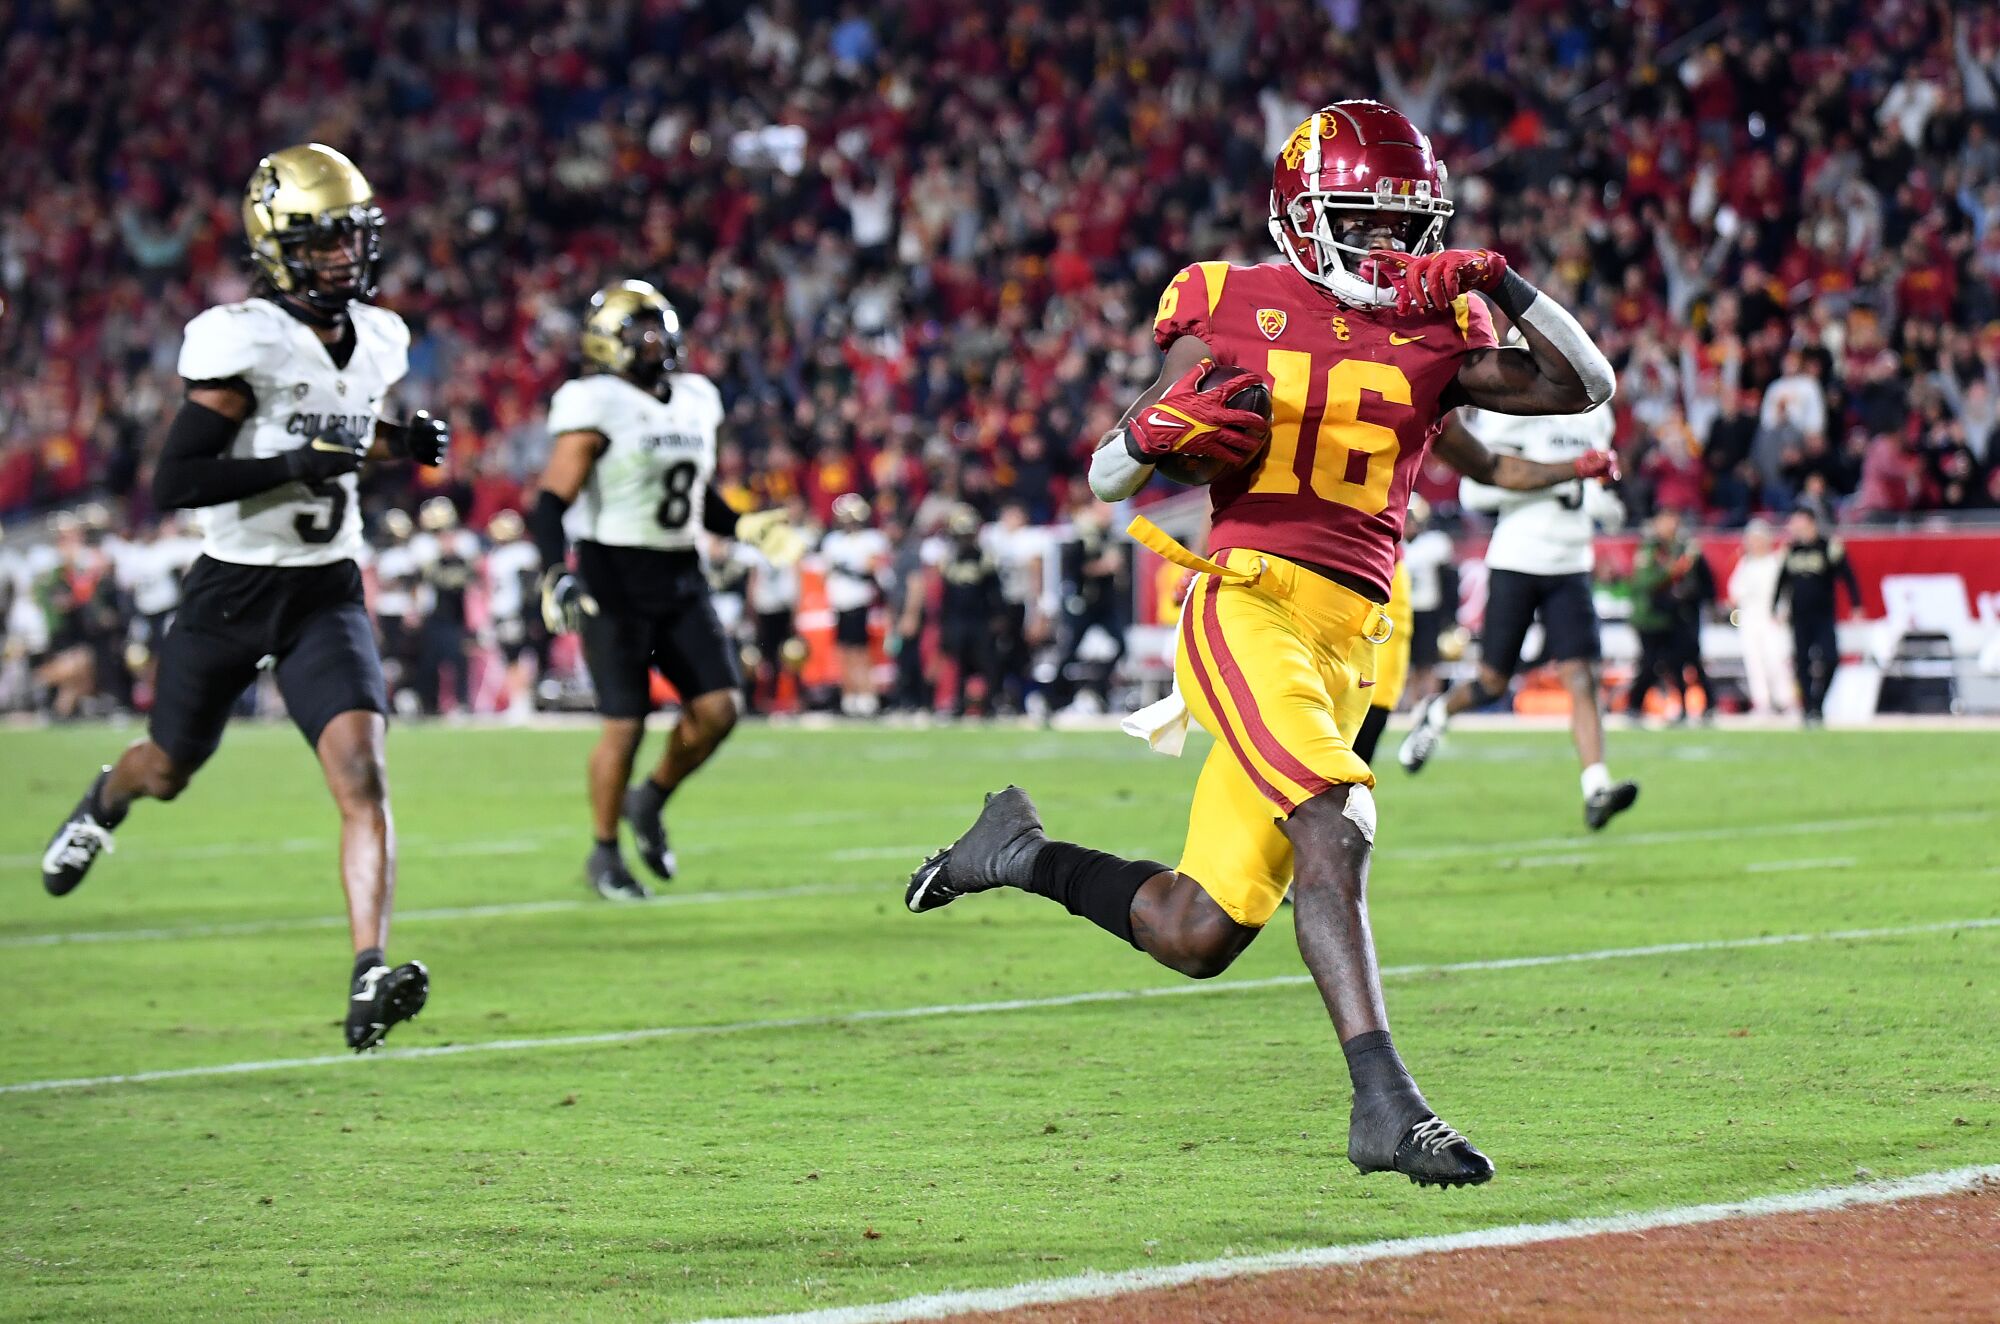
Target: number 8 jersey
648 485
299 391
1357 397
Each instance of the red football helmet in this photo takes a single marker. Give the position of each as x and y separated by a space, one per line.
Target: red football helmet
1352 158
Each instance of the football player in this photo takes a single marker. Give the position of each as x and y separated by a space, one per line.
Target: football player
634 448
1367 332
285 401
1539 563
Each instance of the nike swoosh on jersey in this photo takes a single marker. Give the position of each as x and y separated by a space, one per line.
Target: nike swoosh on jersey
1395 339
322 444
1367 684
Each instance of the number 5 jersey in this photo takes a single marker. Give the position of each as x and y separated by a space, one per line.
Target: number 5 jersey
1357 396
299 391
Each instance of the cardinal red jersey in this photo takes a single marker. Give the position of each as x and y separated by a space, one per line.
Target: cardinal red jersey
1355 403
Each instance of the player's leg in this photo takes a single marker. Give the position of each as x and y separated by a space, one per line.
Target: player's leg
1569 622
206 661
1511 601
694 653
618 647
331 678
1180 922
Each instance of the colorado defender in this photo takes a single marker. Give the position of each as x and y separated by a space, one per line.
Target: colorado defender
1368 332
286 393
630 467
1540 560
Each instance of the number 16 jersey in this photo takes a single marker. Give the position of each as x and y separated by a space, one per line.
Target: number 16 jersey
649 482
1357 397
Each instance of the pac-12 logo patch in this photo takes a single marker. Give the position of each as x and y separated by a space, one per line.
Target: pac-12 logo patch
1271 321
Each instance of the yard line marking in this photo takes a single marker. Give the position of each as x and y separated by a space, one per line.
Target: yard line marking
302 922
1095 1285
1787 866
1675 836
882 1014
914 853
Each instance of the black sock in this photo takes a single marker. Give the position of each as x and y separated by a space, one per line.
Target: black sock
1372 1064
1090 883
98 809
608 843
367 959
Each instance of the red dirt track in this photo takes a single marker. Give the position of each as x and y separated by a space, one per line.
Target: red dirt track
1917 1260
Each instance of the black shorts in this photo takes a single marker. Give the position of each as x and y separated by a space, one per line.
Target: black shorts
1515 599
1425 627
850 627
666 621
309 619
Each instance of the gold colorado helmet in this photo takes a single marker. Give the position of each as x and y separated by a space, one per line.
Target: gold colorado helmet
313 227
632 331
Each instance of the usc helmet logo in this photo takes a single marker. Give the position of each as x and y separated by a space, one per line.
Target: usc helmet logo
1295 146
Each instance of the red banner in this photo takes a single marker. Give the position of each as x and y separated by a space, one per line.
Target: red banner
1972 555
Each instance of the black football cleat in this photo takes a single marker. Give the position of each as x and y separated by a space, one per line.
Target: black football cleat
76 845
382 997
643 812
998 850
1607 804
1430 1153
613 881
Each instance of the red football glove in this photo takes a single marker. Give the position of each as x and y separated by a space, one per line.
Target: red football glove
1190 421
1434 280
1601 465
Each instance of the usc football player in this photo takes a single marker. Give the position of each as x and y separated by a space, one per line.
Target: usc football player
1368 334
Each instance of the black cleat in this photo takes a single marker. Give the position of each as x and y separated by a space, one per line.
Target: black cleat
77 843
382 997
643 810
1608 803
613 881
998 850
1430 1153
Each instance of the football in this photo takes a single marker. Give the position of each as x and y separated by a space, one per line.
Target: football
1197 470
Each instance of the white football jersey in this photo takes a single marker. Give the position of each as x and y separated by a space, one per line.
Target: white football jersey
509 567
648 485
1549 532
299 391
853 556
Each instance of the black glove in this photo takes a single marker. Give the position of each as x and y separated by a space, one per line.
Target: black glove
332 452
423 440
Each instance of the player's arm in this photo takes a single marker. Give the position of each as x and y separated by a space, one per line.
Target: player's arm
1562 371
771 532
1457 447
1173 416
571 458
194 470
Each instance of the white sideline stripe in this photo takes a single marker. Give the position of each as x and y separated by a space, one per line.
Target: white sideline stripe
914 853
875 1015
256 926
1787 866
1096 1285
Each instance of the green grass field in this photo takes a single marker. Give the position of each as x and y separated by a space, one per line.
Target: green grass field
740 1164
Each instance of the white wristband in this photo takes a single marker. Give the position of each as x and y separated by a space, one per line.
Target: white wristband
1114 474
1561 330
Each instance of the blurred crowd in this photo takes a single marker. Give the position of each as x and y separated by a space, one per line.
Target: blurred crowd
917 243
